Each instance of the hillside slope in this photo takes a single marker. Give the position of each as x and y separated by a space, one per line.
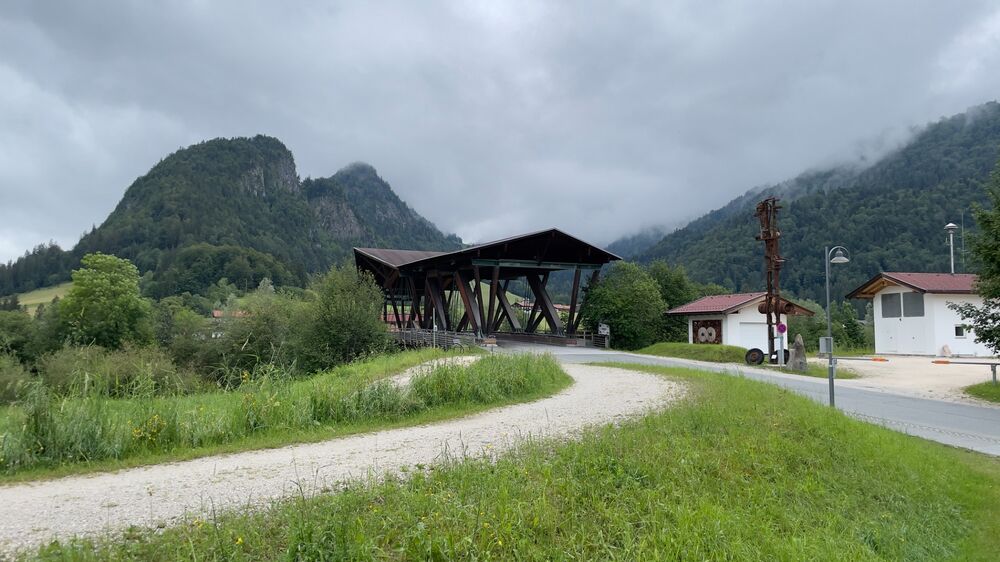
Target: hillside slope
890 215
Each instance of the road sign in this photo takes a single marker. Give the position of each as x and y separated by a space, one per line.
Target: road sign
782 328
603 330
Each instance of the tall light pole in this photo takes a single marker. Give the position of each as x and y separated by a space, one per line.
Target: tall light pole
950 228
829 257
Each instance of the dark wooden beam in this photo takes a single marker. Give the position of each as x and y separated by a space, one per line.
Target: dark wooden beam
508 311
594 277
471 309
437 296
570 326
478 293
428 305
490 321
542 299
532 317
414 316
395 311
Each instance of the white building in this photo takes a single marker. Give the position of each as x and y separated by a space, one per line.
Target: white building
912 315
732 320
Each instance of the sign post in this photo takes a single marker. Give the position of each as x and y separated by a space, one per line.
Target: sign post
782 328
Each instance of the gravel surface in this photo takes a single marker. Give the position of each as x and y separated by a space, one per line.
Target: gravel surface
917 376
167 494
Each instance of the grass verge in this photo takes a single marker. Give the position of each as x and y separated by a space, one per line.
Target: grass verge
49 434
731 354
816 371
984 391
738 471
699 352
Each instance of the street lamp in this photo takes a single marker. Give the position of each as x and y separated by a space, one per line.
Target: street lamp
950 228
841 256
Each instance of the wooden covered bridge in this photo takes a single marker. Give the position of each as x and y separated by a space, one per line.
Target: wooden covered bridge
420 286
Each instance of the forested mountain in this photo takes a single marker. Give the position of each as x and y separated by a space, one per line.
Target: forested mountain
890 215
235 208
630 246
358 207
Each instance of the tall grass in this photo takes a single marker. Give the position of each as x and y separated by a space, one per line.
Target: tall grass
741 471
46 429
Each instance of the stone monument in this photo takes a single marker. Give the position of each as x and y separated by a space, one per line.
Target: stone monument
797 356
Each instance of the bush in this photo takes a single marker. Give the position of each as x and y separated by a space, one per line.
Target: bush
257 329
132 371
16 334
343 322
13 377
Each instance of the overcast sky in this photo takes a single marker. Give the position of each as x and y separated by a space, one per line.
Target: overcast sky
489 118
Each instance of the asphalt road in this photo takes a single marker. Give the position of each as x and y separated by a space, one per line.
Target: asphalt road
961 425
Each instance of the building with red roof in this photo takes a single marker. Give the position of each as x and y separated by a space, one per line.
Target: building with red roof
912 314
734 319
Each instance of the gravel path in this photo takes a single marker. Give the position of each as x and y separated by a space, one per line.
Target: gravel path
162 495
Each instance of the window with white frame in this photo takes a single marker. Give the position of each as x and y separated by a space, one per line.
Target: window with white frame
960 331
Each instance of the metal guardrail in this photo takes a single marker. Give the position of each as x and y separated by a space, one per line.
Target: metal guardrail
413 337
992 366
435 338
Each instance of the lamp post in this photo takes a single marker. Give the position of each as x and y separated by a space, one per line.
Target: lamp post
829 257
950 228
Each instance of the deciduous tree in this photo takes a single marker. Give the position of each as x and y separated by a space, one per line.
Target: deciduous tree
985 319
628 300
104 306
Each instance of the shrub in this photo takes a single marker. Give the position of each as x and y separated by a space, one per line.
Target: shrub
343 322
13 377
132 371
257 330
16 334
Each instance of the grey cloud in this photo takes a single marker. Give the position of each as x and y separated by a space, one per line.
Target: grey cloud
488 118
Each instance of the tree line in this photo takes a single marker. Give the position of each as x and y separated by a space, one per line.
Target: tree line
105 324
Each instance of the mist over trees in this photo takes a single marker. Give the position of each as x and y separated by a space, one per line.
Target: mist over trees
890 215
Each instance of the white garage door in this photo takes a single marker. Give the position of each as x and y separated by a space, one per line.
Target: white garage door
753 334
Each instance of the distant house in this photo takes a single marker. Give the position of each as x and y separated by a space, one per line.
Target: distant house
732 319
912 315
219 315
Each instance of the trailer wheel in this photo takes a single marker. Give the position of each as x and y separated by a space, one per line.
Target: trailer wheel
754 356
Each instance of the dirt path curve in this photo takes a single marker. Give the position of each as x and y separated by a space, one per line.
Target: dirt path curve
162 495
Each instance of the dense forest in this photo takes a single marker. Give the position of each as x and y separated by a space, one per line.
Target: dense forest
236 208
890 215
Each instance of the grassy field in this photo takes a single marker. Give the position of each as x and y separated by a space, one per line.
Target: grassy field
46 436
700 352
740 470
32 299
985 391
